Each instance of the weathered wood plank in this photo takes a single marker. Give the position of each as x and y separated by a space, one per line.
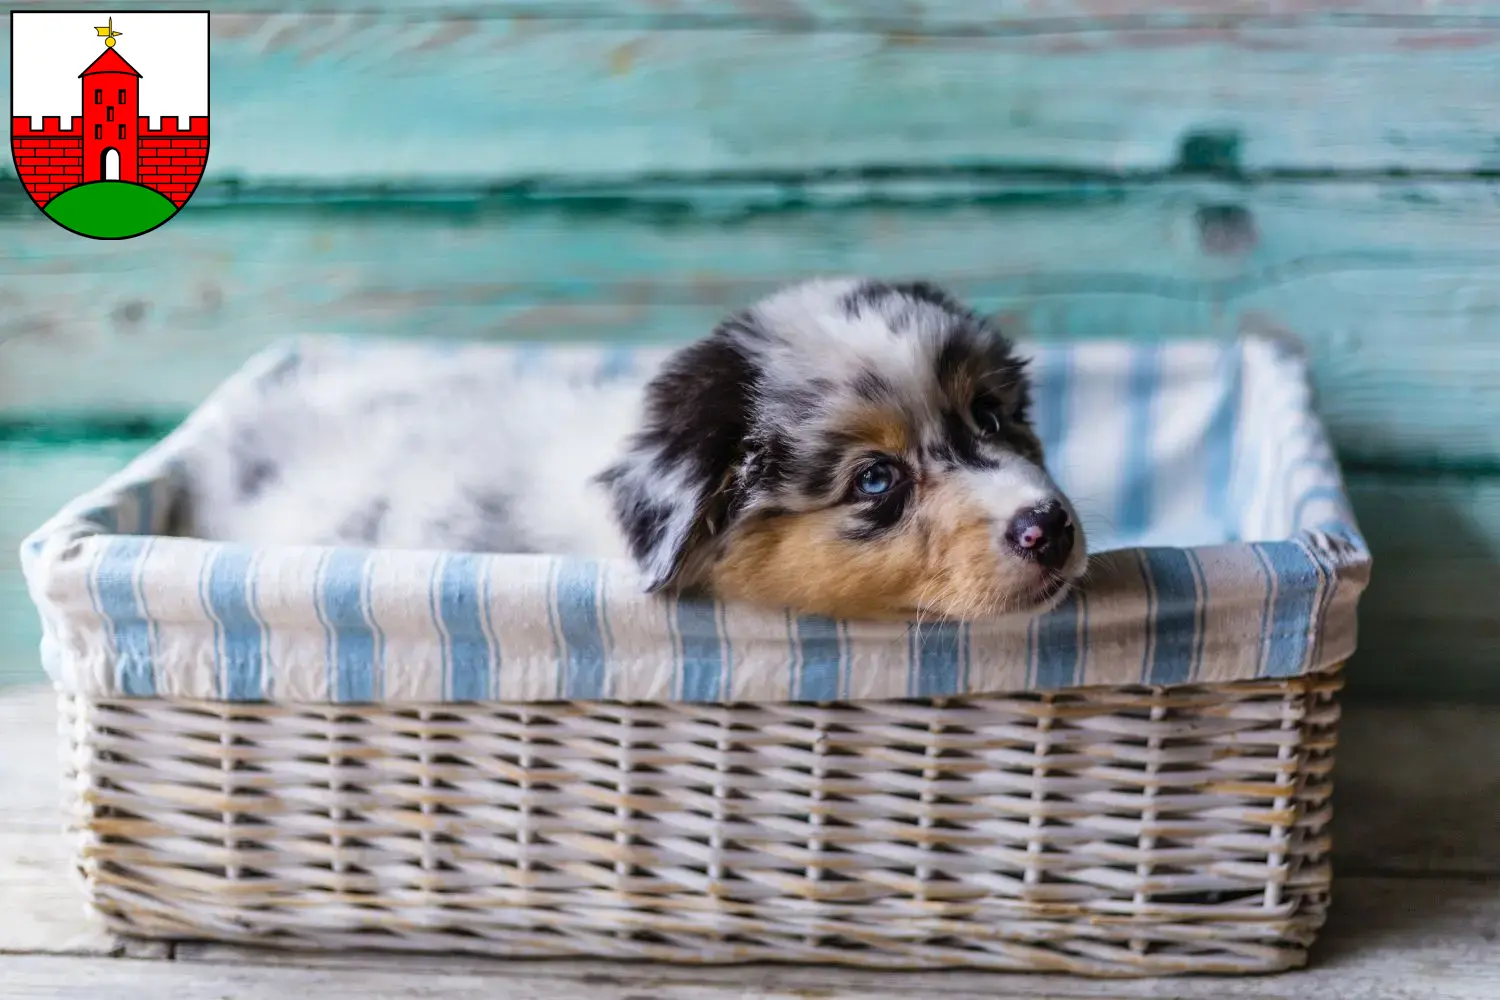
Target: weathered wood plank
34 482
1428 622
1391 284
912 15
1417 790
401 94
1387 940
1428 625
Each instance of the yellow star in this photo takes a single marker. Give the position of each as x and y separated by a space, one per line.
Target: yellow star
109 34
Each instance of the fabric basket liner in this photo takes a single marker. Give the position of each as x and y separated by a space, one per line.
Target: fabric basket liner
1225 549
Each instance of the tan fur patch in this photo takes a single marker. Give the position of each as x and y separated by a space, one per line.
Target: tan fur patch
942 562
880 428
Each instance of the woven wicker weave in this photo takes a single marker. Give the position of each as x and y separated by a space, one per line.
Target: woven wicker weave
1106 832
529 755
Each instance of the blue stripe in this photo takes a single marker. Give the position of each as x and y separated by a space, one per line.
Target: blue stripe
352 640
119 603
577 599
845 682
939 654
793 661
1329 576
1175 623
1290 612
1220 445
674 642
1057 649
1134 514
1269 577
1201 624
726 686
821 654
487 619
702 650
1148 592
468 653
227 592
1051 371
968 647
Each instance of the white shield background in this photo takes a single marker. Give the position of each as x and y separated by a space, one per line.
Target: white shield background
49 50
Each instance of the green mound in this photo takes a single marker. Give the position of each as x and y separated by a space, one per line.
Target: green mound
110 210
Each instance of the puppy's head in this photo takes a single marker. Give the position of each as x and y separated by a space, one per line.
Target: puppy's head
850 448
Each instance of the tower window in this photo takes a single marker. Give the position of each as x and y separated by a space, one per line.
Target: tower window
109 113
122 97
99 97
122 131
98 131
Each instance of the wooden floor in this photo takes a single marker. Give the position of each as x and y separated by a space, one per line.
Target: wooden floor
1417 904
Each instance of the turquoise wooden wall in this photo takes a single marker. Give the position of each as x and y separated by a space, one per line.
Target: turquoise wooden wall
1327 170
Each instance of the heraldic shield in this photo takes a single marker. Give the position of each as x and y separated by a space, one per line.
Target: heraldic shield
109 115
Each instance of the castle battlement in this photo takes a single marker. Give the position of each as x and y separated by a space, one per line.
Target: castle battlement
51 126
197 127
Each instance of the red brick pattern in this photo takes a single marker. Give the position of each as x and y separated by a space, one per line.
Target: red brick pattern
49 159
169 160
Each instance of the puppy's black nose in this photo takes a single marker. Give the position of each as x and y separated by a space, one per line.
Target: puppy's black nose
1044 533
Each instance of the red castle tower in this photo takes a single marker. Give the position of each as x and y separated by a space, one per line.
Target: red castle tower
111 131
111 97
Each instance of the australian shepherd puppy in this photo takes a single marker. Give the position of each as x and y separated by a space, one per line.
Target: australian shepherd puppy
853 448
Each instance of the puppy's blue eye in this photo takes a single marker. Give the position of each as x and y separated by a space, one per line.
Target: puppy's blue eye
877 479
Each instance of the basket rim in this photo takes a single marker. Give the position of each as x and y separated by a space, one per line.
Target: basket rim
129 609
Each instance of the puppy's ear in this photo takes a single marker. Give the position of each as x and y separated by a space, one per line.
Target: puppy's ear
675 486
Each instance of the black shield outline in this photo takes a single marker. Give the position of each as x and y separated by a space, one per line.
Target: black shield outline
208 93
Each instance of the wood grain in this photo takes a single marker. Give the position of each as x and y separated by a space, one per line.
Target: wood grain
1428 629
1391 284
493 94
913 15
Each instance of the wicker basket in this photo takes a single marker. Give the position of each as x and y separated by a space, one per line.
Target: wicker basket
1004 814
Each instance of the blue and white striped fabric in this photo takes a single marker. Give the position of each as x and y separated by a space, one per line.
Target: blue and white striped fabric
1228 551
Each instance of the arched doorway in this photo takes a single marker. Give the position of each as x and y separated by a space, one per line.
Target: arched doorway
110 167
